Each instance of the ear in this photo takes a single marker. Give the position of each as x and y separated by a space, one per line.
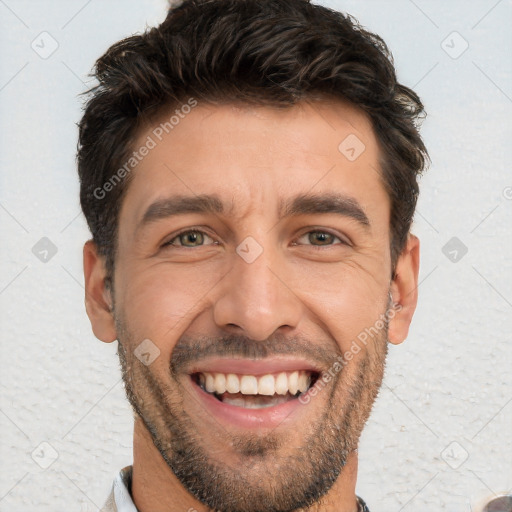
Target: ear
98 300
404 290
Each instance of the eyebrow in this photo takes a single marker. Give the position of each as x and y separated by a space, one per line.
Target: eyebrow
302 204
339 204
179 205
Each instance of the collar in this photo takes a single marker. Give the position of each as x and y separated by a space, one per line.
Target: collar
362 505
122 491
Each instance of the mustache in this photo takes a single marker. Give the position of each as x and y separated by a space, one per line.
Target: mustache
190 350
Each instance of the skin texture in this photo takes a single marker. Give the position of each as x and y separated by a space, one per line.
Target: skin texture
306 295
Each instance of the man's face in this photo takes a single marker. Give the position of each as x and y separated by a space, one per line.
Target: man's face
253 250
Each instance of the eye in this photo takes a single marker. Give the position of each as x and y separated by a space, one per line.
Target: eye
319 238
190 238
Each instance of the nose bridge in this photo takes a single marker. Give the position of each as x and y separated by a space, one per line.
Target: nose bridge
254 298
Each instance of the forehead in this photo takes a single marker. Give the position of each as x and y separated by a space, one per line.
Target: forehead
254 157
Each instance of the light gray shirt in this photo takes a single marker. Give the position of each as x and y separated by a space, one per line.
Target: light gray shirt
120 499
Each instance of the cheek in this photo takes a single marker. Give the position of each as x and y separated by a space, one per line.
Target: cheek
347 301
159 302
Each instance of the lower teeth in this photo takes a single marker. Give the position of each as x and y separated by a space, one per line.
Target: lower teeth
257 402
253 401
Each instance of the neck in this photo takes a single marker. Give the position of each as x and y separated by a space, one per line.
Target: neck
155 488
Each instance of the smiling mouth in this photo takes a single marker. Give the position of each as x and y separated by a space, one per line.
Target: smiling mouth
255 391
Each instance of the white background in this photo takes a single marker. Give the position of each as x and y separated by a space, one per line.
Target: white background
439 436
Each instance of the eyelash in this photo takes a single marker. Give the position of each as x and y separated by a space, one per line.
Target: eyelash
175 237
325 232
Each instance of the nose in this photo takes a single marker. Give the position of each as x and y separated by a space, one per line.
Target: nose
256 300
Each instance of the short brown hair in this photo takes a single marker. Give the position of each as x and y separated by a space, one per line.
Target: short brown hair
265 52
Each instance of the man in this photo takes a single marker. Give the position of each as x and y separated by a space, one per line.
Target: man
249 174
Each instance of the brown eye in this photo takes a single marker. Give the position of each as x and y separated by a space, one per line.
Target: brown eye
191 239
321 237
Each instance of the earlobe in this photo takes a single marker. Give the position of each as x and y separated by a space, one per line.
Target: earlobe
404 291
98 300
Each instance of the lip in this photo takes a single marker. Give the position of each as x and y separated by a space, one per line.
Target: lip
240 417
253 367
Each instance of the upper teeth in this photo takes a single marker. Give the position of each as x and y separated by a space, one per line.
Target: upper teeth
269 384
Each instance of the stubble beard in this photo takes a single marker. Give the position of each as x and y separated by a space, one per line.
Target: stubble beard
262 479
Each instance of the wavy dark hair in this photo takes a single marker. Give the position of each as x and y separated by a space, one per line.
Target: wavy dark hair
265 52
